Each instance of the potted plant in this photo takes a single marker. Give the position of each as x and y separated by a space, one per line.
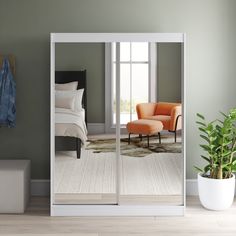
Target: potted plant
216 181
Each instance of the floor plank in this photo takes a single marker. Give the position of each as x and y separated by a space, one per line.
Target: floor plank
197 221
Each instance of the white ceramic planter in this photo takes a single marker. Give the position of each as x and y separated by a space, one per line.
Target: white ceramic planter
216 194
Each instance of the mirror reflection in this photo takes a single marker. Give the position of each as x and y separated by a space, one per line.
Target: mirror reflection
83 174
151 114
151 161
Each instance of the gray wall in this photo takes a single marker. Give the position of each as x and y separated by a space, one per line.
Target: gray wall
89 56
24 31
169 72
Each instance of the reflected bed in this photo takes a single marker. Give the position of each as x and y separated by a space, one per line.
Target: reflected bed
70 123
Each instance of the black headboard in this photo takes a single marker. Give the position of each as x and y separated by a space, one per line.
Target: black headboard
62 77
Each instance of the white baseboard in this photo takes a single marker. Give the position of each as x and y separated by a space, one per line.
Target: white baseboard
41 187
96 128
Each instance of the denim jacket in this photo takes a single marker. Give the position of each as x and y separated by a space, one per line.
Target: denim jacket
7 96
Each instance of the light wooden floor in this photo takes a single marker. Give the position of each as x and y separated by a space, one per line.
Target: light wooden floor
153 179
197 221
91 179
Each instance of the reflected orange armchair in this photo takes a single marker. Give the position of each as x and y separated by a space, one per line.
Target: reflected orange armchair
170 114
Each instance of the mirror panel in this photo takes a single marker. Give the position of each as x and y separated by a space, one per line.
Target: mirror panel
84 173
151 160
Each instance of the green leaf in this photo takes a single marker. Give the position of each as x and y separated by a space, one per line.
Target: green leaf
233 168
213 138
212 122
222 113
226 144
206 138
201 123
218 127
205 147
198 169
201 116
207 168
226 154
209 127
226 166
211 146
206 158
203 130
227 135
220 121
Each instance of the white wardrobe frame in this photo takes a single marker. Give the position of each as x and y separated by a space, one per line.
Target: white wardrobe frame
117 210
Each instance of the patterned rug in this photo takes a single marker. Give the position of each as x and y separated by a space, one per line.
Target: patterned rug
136 148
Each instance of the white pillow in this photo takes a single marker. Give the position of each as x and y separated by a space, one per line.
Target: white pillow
65 99
69 99
78 100
67 86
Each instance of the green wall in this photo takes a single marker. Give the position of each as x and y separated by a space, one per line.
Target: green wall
24 31
169 72
89 56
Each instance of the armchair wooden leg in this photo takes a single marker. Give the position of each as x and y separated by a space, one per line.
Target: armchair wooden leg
148 140
129 139
159 136
176 123
141 137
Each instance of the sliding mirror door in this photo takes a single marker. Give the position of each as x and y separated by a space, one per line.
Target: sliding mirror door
85 158
119 123
151 159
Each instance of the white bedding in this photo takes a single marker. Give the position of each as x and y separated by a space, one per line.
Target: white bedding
70 123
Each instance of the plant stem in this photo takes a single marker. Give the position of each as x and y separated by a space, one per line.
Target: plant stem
219 173
231 156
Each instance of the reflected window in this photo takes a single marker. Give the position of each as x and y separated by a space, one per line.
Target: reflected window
134 79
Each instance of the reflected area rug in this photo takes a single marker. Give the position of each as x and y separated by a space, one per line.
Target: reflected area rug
136 148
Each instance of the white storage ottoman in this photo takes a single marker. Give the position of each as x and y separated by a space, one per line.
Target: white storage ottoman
14 185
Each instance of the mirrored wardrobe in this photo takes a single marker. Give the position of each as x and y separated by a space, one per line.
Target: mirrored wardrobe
117 124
